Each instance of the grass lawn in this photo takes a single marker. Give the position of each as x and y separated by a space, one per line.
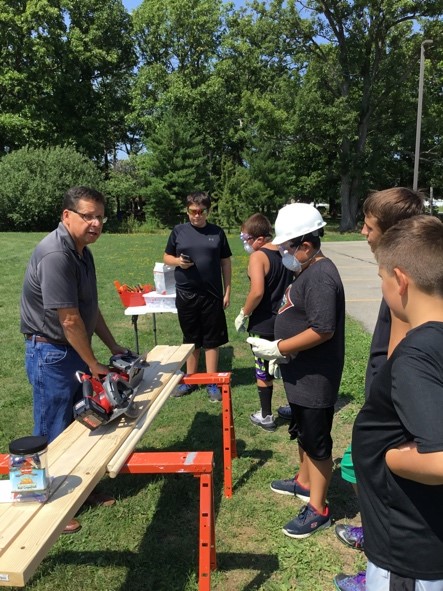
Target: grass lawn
148 540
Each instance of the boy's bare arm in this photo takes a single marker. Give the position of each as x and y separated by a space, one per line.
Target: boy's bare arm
405 461
257 273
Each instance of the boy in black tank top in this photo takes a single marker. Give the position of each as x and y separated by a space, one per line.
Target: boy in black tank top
268 281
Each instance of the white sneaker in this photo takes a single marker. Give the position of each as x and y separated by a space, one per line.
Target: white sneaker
267 423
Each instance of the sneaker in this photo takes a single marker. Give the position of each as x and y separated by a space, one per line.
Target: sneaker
350 535
267 423
284 412
307 522
291 487
183 390
356 582
213 393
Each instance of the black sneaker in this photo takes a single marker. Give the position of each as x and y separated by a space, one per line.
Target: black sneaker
307 522
183 390
291 487
284 412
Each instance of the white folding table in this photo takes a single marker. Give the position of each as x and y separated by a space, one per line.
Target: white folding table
159 304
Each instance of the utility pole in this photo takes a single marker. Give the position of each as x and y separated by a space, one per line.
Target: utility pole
419 110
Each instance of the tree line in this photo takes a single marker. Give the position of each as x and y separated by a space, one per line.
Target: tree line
274 102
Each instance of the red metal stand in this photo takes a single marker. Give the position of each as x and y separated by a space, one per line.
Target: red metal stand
229 443
200 464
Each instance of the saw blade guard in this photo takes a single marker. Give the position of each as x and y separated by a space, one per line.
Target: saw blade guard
117 390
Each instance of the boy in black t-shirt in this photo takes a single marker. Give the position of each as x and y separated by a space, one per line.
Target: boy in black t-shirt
309 329
382 210
398 434
200 253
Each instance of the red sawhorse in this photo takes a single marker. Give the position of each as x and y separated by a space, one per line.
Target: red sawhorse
223 380
198 463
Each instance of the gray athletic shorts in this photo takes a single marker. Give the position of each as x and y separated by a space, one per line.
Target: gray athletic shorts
379 579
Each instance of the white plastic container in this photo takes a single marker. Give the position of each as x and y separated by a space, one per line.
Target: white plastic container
157 302
164 279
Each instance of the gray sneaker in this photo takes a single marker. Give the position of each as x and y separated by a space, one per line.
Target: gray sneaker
267 423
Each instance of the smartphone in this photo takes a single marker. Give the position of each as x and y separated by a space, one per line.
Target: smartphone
186 258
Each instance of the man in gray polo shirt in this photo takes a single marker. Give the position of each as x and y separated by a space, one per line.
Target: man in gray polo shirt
60 313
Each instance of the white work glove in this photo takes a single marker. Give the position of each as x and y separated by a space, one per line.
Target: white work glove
240 322
274 369
265 349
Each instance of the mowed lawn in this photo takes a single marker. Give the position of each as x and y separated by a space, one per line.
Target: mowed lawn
149 539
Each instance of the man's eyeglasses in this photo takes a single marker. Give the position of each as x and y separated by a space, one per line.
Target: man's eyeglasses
89 218
246 237
193 211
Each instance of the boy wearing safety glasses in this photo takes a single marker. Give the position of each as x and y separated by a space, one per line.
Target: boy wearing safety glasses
200 253
268 280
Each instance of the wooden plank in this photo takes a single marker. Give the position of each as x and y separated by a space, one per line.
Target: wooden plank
77 459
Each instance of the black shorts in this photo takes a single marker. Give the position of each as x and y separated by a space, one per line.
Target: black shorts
313 430
202 319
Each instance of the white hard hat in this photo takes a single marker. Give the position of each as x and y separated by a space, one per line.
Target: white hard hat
296 219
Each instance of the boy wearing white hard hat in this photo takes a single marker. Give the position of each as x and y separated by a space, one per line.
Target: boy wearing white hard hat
309 345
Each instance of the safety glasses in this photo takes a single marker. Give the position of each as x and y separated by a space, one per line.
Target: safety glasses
193 211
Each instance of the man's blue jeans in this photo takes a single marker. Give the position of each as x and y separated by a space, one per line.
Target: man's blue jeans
51 373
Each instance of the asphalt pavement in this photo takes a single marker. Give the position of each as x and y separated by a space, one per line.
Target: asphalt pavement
359 273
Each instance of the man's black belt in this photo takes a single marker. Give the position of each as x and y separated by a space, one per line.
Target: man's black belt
39 339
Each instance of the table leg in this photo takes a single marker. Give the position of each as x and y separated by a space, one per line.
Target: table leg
154 323
134 320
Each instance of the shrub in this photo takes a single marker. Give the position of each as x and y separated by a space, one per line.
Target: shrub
33 181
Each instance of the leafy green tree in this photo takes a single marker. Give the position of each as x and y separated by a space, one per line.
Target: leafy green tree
259 73
33 183
93 97
365 36
31 42
65 74
178 44
173 166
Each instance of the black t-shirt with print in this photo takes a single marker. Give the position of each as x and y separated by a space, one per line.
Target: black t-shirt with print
314 300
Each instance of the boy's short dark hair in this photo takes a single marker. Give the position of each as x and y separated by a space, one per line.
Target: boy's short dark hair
74 194
313 238
415 246
392 205
199 198
257 225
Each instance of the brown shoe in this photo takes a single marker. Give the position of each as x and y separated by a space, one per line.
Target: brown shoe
72 527
98 499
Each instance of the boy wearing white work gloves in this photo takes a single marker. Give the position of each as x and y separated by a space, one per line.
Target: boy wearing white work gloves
309 345
269 279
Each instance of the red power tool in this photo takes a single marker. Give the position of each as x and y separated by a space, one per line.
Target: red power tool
106 399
